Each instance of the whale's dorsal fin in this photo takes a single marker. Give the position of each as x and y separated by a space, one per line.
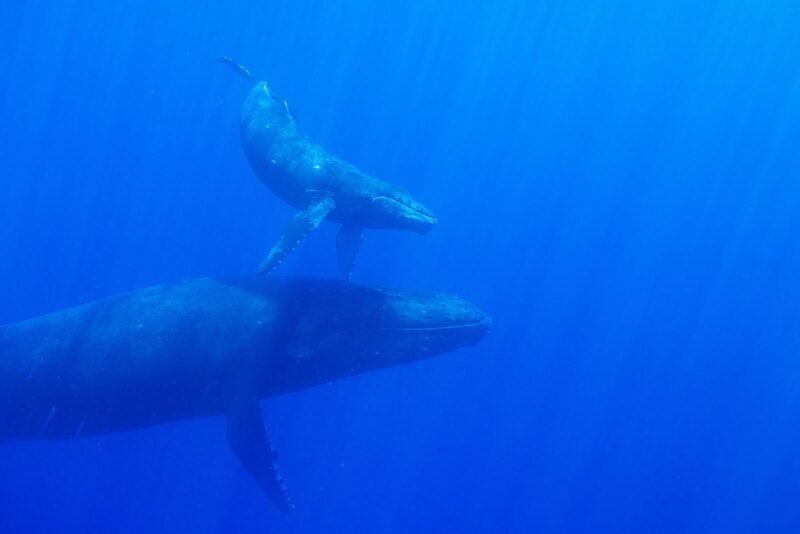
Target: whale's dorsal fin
348 241
299 227
250 443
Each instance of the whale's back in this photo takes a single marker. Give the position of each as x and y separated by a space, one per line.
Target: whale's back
156 355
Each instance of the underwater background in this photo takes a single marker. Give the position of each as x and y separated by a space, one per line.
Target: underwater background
616 184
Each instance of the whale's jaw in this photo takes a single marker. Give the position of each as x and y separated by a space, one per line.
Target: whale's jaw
399 214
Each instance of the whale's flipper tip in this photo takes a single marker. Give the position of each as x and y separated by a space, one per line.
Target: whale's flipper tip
302 224
348 241
250 443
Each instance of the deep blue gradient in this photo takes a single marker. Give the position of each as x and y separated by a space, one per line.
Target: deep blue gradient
617 185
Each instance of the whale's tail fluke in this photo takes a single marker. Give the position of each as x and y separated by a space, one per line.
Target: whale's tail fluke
239 69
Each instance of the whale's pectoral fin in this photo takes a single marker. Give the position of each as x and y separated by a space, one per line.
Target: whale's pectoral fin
300 226
348 241
249 441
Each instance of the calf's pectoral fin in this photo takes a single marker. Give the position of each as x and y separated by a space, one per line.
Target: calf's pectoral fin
348 241
298 228
250 443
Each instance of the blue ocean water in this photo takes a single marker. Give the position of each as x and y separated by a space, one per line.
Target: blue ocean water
616 183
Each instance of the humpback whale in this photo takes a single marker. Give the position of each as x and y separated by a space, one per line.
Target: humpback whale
213 346
319 184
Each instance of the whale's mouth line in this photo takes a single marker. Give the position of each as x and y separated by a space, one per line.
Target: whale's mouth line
483 322
419 212
422 216
431 219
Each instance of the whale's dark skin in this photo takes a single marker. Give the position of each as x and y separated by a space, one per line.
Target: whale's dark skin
212 347
319 184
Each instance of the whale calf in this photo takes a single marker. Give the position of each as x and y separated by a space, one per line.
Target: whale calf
319 184
213 346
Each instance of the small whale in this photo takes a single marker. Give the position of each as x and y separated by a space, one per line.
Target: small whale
320 185
213 346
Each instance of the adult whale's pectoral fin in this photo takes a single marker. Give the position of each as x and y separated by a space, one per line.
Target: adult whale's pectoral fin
300 226
348 241
248 439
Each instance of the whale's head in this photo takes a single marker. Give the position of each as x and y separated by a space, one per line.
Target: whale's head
392 207
339 329
414 325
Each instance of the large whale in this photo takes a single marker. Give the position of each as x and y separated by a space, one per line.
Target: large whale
319 184
212 347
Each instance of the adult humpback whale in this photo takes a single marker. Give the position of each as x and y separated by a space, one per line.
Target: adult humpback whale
320 185
212 347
